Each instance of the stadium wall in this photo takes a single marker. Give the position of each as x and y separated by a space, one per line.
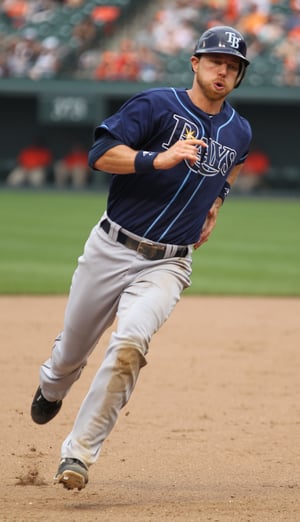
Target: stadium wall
64 112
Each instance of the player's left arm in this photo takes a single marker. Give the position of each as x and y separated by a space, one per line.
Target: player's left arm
234 173
211 218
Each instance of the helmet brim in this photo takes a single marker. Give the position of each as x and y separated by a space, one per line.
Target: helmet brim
222 50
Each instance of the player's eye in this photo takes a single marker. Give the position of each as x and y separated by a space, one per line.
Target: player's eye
233 67
217 61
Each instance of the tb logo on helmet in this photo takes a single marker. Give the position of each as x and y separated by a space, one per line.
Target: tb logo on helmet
233 40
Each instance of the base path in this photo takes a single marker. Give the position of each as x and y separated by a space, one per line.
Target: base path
211 432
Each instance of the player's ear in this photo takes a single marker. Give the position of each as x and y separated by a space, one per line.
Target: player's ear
194 63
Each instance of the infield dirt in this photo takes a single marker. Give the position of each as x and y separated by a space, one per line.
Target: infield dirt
211 432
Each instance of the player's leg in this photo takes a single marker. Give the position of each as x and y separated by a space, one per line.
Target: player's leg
144 306
96 287
17 176
79 176
37 177
61 173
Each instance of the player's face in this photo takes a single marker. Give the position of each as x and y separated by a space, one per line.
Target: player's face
216 74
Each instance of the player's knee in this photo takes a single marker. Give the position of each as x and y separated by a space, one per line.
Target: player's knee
125 370
131 359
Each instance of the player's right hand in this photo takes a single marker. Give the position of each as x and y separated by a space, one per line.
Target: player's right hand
187 150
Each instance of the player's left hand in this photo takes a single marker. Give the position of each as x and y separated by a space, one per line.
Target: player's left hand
209 223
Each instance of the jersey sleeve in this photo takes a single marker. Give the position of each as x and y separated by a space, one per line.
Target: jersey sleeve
133 124
246 132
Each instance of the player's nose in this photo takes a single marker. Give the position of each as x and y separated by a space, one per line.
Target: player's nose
223 67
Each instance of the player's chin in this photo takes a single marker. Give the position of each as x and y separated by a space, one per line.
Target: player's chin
219 90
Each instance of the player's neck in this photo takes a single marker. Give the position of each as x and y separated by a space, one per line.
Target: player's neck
211 107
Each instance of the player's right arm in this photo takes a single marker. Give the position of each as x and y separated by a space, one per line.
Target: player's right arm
120 159
117 160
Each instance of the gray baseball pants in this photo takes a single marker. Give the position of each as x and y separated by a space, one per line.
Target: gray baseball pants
110 281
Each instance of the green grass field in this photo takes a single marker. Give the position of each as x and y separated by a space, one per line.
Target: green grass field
254 250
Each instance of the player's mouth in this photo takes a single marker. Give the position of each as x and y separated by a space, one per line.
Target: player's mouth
219 86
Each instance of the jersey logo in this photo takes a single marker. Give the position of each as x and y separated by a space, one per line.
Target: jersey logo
217 158
189 135
212 160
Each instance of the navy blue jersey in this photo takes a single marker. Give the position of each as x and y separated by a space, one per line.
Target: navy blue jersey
170 206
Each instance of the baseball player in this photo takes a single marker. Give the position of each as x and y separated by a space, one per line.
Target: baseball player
173 155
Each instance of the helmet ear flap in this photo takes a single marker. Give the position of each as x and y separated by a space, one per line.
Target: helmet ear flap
241 74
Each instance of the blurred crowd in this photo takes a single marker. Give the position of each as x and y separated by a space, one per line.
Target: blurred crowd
36 166
271 28
25 52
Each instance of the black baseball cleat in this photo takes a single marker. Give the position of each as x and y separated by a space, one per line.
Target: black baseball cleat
42 411
71 473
